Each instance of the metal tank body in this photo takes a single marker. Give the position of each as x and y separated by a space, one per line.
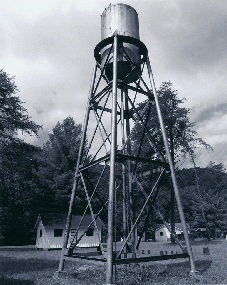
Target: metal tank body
122 19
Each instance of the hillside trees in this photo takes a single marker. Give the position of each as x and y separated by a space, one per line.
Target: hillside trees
57 164
18 185
35 180
211 197
17 164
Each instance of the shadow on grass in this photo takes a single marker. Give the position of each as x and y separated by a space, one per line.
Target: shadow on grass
9 281
202 265
12 266
163 273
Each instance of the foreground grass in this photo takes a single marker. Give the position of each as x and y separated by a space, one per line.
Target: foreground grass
28 267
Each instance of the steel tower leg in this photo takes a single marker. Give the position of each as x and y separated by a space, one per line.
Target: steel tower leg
75 183
175 186
124 214
132 216
109 269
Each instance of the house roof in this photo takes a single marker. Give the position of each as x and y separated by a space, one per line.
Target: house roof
55 219
200 229
178 226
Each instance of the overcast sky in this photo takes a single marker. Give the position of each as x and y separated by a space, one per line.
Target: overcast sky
48 45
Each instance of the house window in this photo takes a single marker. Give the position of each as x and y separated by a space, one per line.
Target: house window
161 233
58 232
90 232
41 233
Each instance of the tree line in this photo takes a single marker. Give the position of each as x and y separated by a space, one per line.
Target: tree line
36 180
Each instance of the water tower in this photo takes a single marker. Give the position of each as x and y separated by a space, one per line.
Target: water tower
118 86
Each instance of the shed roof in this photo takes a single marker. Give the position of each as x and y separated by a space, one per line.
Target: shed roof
55 219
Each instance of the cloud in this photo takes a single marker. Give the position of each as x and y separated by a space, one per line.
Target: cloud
49 46
191 34
212 111
211 126
215 125
50 57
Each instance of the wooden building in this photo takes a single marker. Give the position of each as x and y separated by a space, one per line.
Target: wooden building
162 233
51 230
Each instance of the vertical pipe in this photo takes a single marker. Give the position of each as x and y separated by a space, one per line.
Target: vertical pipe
80 155
172 209
124 214
133 236
172 212
109 269
175 186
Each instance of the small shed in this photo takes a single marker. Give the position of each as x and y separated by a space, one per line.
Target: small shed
163 234
51 230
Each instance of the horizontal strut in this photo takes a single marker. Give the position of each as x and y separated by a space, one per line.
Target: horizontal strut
150 258
123 157
133 260
96 106
122 85
101 159
104 90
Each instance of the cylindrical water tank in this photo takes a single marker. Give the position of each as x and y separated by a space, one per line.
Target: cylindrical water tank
122 19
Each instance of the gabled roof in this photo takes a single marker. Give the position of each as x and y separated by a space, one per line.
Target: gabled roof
55 219
178 226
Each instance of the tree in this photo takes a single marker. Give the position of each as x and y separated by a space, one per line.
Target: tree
204 196
17 164
18 186
13 115
182 138
57 164
212 187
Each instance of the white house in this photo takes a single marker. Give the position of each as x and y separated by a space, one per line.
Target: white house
51 230
162 233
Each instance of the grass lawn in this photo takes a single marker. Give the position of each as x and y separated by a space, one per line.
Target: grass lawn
26 266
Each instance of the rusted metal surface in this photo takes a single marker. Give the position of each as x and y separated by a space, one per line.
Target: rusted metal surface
121 18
